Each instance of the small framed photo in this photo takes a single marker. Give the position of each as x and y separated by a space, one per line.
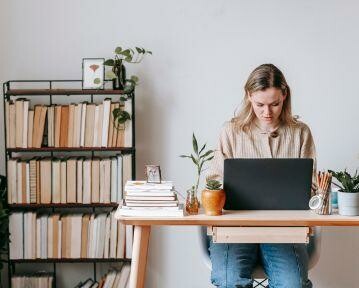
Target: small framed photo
93 73
153 174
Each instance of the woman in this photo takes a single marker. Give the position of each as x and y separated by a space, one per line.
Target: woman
264 128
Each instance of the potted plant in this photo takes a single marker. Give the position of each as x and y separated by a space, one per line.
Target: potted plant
4 224
348 194
199 158
213 198
118 71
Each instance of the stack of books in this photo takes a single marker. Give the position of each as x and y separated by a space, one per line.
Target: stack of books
149 199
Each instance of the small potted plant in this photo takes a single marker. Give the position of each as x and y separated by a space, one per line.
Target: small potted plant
118 70
213 198
348 194
199 158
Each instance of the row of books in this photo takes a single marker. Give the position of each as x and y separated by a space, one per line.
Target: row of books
113 279
75 125
150 199
72 180
42 236
40 280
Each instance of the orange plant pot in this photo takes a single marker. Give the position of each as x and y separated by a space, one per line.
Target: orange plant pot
213 201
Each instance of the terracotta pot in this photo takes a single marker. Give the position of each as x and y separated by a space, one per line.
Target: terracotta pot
213 201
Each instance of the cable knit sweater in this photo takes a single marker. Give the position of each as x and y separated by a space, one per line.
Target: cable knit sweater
293 141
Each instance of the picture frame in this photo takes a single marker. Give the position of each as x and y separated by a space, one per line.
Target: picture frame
153 174
93 73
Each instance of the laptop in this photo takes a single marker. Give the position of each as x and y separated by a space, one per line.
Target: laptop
267 184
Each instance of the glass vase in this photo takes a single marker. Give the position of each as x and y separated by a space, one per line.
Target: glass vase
119 82
192 203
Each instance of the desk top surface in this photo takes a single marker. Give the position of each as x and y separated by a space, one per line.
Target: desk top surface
249 218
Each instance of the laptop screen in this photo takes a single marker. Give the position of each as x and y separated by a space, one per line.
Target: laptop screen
267 184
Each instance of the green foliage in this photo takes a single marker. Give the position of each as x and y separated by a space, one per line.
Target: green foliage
213 185
125 55
349 183
120 117
4 223
199 158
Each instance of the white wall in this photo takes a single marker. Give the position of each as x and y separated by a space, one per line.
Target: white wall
202 53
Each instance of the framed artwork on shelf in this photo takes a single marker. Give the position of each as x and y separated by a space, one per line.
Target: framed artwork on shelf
153 174
93 73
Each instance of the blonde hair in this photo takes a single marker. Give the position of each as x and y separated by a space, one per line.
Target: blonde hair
263 77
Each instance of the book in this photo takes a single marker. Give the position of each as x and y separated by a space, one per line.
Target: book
30 128
152 212
143 185
64 126
45 181
149 198
19 122
57 125
25 126
151 204
16 235
71 180
105 122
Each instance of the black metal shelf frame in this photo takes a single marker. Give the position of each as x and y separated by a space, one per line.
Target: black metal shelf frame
50 91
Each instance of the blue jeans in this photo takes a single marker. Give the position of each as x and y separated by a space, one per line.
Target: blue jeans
286 265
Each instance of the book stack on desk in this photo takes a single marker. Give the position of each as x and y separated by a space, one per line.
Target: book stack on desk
150 199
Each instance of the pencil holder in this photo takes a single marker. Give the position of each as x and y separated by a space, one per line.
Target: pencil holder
326 206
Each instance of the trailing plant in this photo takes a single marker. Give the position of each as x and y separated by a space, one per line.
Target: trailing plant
199 158
213 184
4 224
118 76
118 70
348 183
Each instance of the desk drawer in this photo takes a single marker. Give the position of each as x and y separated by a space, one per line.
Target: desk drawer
259 234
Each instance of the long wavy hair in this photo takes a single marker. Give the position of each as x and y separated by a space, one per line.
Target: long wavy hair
263 77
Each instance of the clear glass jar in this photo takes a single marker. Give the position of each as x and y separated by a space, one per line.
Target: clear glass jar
321 203
192 203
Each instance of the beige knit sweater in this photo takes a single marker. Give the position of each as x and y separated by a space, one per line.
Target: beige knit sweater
291 142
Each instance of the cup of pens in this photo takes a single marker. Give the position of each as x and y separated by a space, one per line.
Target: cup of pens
321 202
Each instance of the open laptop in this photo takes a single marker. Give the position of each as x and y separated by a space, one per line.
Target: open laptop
267 184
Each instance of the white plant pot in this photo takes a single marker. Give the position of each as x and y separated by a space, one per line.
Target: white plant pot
348 203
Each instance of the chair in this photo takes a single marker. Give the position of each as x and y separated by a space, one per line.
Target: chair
258 273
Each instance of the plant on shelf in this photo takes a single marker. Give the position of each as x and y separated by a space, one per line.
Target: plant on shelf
119 80
118 71
4 224
348 194
199 158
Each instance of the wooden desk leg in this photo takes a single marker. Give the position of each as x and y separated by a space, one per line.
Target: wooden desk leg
139 256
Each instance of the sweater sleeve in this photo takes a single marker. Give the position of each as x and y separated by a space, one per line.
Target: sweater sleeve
307 150
224 150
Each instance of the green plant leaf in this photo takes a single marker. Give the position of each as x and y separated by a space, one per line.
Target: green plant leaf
185 156
207 153
97 81
109 62
200 151
139 50
128 59
194 160
110 75
118 50
134 78
194 144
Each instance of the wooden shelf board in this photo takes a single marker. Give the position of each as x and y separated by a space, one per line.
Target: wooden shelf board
67 205
70 149
69 260
29 92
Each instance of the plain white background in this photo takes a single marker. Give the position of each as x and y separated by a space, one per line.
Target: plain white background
203 51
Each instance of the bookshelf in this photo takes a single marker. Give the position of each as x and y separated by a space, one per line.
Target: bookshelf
52 91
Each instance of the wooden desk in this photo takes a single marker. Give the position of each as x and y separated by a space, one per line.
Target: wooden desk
228 219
